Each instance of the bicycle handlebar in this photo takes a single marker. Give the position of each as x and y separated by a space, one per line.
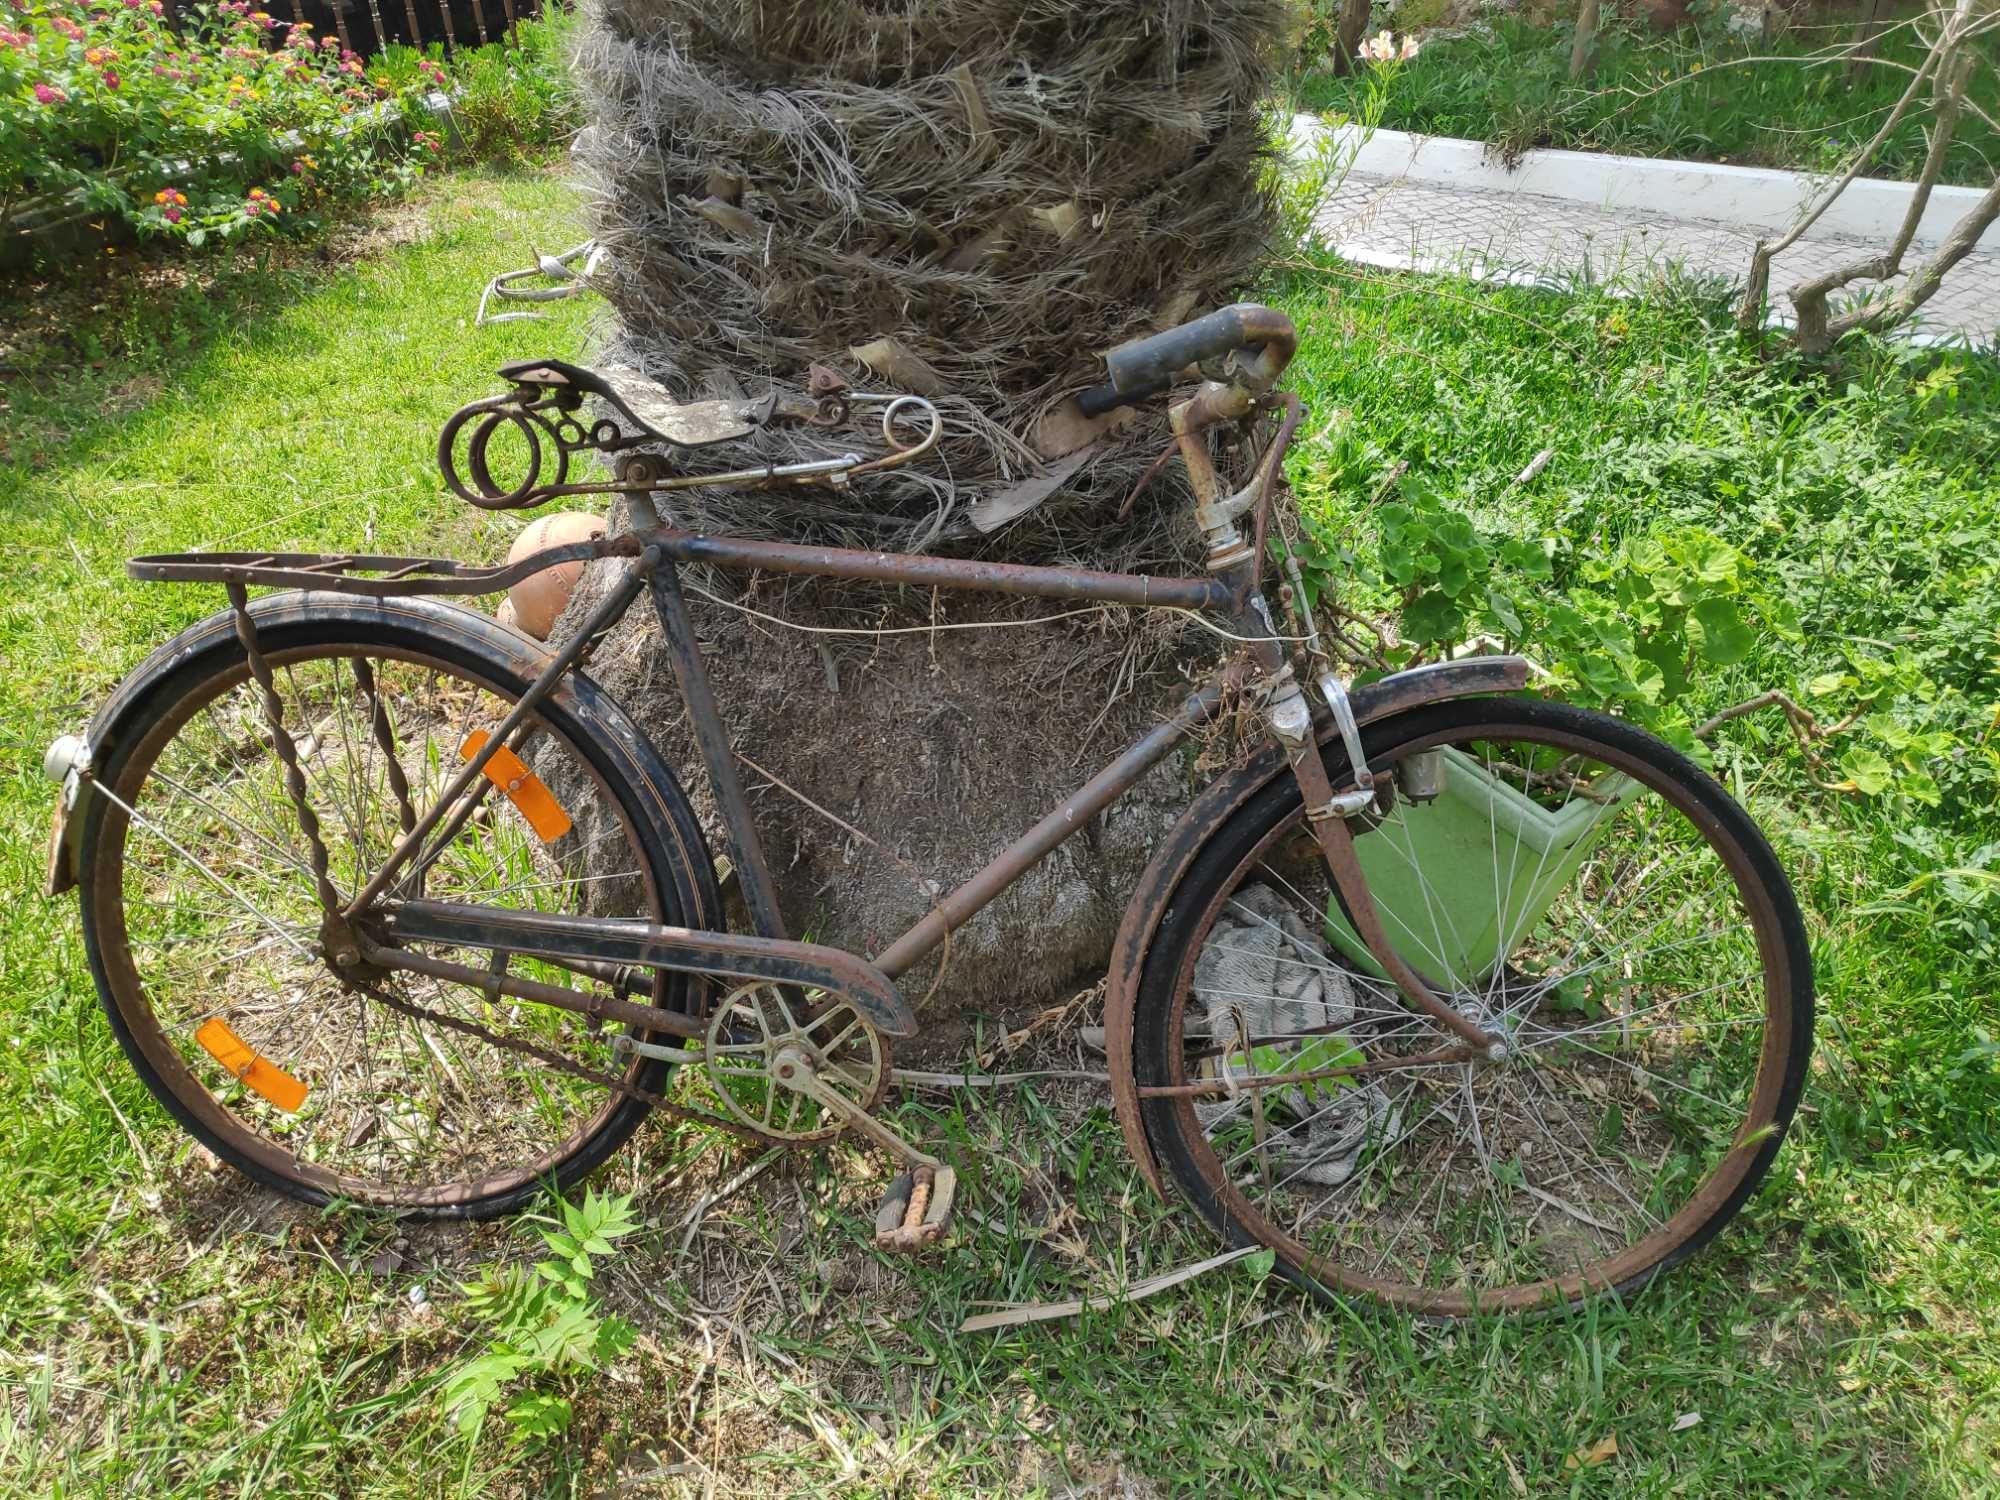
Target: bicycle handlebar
1150 365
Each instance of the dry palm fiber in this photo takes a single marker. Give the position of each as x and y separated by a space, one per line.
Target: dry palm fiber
968 198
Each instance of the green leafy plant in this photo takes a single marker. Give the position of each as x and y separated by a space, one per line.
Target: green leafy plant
1623 627
1664 626
234 123
214 130
542 1325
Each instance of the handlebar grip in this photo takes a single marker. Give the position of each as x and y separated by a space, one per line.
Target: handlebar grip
1149 366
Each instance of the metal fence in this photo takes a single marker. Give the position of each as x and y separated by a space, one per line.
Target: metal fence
367 26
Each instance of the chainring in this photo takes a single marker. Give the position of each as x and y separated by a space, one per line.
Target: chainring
745 1034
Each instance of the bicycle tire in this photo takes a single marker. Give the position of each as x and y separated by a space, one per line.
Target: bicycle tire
203 665
1203 1174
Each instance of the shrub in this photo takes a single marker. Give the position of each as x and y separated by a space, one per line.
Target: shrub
511 100
214 131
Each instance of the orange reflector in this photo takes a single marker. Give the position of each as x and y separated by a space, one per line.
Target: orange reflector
259 1074
523 787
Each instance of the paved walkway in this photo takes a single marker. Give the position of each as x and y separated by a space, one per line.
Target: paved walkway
1522 237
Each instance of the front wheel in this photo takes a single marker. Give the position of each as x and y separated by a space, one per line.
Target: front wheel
1575 886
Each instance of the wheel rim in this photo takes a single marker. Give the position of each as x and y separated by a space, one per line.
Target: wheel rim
1439 1176
397 1112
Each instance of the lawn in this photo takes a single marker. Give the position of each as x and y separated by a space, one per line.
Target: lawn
1696 92
166 1329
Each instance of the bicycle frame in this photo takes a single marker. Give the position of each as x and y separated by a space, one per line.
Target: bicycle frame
770 955
611 948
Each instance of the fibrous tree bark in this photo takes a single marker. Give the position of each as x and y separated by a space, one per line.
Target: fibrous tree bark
972 199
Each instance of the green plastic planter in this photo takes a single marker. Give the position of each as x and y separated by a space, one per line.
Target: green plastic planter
1451 924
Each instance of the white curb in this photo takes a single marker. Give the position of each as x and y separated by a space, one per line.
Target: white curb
1751 198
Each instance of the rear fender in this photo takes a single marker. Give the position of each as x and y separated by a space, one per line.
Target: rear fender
111 726
1205 817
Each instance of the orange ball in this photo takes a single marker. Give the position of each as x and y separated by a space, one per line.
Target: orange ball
539 599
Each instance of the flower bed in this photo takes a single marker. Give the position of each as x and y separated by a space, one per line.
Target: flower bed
234 124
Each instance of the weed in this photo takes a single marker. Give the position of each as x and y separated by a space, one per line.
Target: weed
542 1324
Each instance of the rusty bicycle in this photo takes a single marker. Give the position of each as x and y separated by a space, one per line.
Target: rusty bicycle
1456 998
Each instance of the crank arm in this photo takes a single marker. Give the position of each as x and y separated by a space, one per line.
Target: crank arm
798 1076
918 1205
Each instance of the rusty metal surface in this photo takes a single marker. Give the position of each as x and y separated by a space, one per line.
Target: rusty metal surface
342 572
940 572
915 1210
620 940
958 908
383 577
1204 817
1336 842
642 1018
1270 479
746 850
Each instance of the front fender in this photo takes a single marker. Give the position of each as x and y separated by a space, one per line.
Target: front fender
1206 815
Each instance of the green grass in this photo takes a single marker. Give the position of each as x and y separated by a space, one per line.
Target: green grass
1694 93
166 1329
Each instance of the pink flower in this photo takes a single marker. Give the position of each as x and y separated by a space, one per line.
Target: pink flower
110 79
173 213
1381 48
48 93
12 38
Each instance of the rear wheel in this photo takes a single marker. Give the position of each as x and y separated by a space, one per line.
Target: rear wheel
204 925
1579 889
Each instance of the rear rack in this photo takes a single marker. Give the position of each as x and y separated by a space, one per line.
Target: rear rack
373 577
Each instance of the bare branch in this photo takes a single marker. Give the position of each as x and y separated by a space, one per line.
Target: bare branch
1809 298
1759 282
1802 722
1925 280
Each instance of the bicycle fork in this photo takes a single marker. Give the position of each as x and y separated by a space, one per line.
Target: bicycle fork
1287 713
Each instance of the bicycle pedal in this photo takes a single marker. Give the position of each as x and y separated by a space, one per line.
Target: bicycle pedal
916 1210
